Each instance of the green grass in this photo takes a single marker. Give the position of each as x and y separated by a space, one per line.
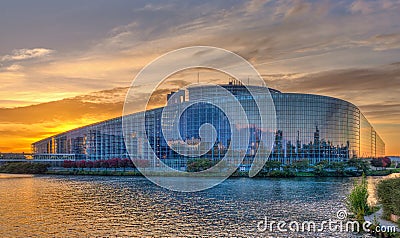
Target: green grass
357 200
395 170
379 172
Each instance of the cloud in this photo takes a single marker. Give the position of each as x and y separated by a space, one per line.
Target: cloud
292 8
370 6
374 90
255 5
153 7
362 6
69 109
277 37
115 95
24 54
383 42
14 67
21 126
358 86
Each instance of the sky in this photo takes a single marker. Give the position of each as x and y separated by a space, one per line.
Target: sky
65 64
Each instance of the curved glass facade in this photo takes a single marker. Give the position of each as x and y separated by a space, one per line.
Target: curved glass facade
308 126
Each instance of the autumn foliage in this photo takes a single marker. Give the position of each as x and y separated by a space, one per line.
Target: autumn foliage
109 163
381 162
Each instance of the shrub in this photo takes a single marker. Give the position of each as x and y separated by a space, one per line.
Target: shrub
357 199
379 172
281 174
320 169
359 165
24 168
388 192
198 165
301 165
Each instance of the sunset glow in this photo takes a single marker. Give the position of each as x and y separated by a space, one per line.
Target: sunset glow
65 70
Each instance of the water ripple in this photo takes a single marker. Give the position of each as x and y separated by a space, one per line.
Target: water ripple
58 206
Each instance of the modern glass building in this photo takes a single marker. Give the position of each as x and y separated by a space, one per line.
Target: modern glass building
308 126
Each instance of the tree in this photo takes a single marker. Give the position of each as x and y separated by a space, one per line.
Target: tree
338 167
320 168
271 165
104 164
381 162
129 163
97 164
81 164
68 164
113 163
198 165
386 162
377 163
359 164
301 165
89 164
123 163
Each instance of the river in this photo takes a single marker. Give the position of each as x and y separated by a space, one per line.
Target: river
95 206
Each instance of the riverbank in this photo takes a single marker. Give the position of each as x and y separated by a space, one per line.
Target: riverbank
380 217
123 170
133 172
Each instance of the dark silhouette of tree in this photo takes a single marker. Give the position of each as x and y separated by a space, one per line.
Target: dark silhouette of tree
89 165
81 164
124 163
381 162
129 163
113 163
68 164
386 162
104 164
97 164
